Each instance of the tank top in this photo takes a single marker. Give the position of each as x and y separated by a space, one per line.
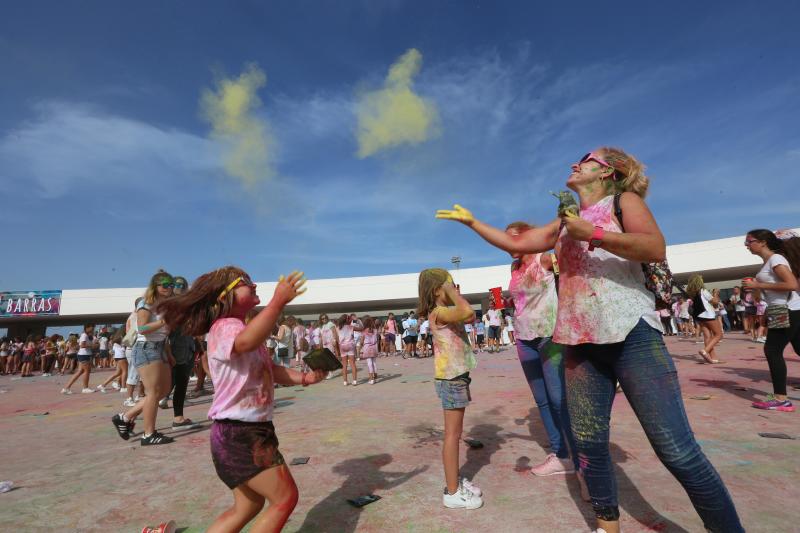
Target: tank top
601 295
533 290
452 353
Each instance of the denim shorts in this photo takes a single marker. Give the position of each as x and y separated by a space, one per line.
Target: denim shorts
146 352
84 358
454 393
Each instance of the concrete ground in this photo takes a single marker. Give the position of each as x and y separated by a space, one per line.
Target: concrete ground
73 473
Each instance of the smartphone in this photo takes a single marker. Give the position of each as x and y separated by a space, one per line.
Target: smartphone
361 501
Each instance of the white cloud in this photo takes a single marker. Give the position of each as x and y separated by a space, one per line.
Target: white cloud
70 146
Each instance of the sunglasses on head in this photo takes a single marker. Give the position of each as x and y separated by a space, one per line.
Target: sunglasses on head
166 283
245 280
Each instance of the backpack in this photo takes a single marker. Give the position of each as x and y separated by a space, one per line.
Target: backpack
657 276
130 336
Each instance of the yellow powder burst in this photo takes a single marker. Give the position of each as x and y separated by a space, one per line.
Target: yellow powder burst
395 114
230 109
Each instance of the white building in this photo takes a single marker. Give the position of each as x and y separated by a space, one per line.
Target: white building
722 262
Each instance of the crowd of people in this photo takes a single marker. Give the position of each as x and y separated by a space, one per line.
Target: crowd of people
584 323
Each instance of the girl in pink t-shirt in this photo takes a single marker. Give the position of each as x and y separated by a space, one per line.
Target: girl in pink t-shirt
369 347
244 446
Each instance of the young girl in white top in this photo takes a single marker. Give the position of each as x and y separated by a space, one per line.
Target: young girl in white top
244 446
706 316
611 331
447 311
778 280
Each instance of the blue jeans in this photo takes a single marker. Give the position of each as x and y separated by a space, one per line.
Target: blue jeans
543 364
648 378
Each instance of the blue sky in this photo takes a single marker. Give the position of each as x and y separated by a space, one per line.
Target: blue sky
109 170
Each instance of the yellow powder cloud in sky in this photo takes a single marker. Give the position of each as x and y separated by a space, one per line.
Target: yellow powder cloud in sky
395 115
230 109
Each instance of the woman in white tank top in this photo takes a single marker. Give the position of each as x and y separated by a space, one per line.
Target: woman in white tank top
611 332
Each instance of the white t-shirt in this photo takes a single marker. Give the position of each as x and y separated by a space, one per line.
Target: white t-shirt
705 301
88 340
103 343
509 323
157 335
119 351
494 317
767 275
423 329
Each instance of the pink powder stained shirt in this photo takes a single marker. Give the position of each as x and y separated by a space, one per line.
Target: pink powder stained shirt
533 290
243 383
601 295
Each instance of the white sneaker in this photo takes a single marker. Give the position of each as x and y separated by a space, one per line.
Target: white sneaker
130 402
372 382
46 375
346 383
552 465
101 389
87 391
115 385
354 383
474 489
123 391
66 391
136 398
462 499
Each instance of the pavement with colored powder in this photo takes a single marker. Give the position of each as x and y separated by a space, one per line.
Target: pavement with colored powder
73 473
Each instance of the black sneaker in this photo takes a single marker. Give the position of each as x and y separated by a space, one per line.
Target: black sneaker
156 438
123 428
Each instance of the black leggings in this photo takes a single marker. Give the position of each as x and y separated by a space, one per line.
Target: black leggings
777 339
667 323
180 382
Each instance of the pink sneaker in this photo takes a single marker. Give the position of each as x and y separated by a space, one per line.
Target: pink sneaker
773 404
552 466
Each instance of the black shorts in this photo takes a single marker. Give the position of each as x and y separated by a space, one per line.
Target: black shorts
242 450
480 339
494 332
411 339
749 310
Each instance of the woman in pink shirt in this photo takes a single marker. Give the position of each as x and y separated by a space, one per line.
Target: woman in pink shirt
611 331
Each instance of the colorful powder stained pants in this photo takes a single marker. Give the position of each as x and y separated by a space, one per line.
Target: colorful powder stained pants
543 365
648 378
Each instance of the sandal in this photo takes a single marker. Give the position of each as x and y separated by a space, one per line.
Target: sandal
707 358
187 423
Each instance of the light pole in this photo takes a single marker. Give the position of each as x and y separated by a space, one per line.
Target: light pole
456 260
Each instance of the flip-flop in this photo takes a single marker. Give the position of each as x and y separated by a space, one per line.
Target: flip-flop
187 423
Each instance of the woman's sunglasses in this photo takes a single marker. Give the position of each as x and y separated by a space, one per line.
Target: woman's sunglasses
167 284
180 285
591 156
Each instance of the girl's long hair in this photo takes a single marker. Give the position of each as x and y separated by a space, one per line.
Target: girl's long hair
429 280
791 251
342 320
788 248
150 294
695 285
195 310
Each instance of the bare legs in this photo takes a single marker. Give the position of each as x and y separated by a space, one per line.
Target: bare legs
351 360
453 426
275 485
84 369
712 334
157 382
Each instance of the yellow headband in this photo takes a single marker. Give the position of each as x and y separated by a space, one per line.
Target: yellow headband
228 289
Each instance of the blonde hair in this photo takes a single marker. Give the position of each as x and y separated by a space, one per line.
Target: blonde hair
628 172
151 293
430 279
695 285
